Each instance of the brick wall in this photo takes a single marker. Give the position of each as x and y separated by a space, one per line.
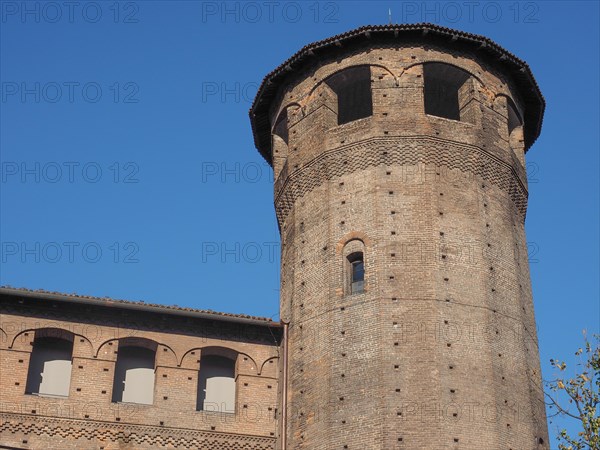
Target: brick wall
89 419
440 351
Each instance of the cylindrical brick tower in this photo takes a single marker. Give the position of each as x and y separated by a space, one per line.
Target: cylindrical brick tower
401 194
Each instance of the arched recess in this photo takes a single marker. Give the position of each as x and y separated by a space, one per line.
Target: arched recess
315 89
439 61
217 378
135 371
449 91
515 130
191 357
50 363
107 348
24 339
281 136
352 89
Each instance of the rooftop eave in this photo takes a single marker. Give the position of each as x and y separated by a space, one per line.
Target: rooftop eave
138 306
534 103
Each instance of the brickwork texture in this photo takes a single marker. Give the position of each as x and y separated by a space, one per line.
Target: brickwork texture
440 350
89 419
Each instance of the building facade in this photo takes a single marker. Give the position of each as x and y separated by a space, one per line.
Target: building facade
407 316
92 373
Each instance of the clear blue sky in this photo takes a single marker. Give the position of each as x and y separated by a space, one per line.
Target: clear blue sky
124 130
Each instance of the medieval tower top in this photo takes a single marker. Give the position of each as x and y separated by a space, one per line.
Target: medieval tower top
401 193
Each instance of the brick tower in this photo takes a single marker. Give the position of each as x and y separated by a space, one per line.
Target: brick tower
401 193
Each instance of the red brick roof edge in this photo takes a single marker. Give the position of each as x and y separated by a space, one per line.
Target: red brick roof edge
129 304
425 32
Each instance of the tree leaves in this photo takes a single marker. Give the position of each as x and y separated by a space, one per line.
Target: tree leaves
583 392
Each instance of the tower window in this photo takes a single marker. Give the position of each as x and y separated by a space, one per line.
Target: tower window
216 384
442 86
50 367
134 375
357 272
353 89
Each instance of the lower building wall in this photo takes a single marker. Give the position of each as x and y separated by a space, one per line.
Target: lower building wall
88 418
37 432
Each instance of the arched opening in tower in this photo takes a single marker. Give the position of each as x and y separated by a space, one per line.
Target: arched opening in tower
515 130
280 140
443 84
352 87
